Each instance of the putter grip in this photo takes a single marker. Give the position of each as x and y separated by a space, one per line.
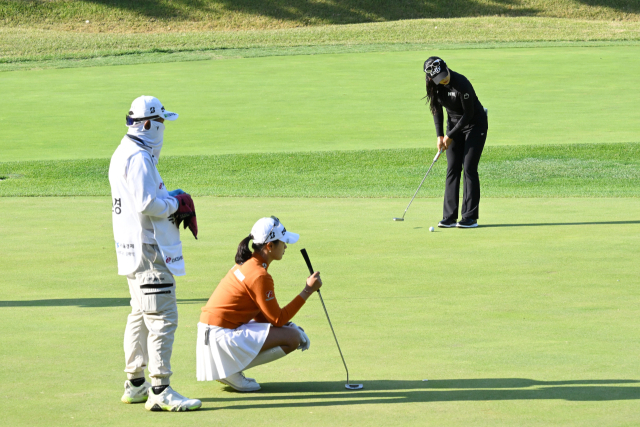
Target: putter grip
307 260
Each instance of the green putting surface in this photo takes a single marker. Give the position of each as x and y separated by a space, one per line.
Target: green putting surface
322 102
530 319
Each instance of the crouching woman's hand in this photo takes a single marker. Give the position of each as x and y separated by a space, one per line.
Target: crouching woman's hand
313 284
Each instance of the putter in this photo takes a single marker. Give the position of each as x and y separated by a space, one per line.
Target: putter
435 159
347 385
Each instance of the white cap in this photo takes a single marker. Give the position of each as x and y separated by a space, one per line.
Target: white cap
271 229
148 108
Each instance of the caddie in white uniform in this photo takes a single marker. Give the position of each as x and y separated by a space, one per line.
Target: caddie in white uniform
146 219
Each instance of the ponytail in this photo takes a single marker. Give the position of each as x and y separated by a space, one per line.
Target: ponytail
243 253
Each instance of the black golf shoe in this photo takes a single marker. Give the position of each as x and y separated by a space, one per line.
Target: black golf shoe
467 223
447 223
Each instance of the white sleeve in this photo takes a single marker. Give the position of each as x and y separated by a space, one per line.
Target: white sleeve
144 188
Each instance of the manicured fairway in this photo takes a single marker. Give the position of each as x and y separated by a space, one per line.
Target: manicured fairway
322 102
528 320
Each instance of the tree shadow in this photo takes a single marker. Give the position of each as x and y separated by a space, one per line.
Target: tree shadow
165 11
386 392
84 302
336 12
625 6
543 224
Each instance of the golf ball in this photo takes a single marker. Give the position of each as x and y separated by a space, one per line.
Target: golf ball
431 228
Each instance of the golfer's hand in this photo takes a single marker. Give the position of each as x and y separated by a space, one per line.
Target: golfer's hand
314 282
440 144
447 142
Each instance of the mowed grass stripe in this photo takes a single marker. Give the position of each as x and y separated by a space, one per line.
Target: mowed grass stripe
28 47
583 170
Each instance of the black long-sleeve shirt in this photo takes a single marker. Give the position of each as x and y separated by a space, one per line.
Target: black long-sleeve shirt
462 104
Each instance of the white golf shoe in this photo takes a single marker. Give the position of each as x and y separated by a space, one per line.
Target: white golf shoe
171 400
239 382
133 394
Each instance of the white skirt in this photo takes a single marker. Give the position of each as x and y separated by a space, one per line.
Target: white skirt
228 350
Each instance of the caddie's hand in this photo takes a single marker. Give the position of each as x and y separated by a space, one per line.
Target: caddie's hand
440 144
447 142
314 282
177 192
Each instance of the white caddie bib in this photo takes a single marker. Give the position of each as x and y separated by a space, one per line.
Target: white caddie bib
128 222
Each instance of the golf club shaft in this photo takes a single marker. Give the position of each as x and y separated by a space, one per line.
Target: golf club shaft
334 335
308 261
435 159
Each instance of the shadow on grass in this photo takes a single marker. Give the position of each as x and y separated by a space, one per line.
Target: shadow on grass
319 394
84 302
335 12
628 6
543 224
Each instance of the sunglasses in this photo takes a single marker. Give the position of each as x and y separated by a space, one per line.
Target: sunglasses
131 120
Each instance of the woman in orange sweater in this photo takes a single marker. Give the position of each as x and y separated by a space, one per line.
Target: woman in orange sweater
242 324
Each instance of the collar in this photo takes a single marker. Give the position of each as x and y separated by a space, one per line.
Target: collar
260 261
140 143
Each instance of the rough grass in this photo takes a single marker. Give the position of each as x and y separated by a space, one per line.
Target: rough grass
37 48
199 15
585 170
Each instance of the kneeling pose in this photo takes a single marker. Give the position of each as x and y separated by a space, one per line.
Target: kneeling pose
242 324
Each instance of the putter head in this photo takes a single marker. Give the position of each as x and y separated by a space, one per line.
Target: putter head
353 386
398 219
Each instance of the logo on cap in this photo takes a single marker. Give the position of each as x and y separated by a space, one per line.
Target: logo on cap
433 69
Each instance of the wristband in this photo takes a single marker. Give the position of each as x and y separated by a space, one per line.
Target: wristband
305 290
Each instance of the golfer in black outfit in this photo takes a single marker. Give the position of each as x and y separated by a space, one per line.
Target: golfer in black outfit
464 141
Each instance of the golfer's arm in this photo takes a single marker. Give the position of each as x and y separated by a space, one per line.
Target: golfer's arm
438 121
271 309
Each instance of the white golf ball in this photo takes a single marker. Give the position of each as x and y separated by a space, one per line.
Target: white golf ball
431 229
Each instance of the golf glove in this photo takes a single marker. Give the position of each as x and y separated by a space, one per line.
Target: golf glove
186 212
177 192
305 343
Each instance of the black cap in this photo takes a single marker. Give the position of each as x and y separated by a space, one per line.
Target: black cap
436 69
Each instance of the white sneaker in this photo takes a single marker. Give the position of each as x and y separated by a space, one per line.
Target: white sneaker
239 382
133 394
171 400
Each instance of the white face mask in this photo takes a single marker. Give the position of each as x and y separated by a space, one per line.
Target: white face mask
152 137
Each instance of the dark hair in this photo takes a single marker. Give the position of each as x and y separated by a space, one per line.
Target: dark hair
431 86
244 253
431 95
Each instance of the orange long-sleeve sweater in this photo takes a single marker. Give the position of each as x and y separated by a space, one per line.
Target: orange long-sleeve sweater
247 293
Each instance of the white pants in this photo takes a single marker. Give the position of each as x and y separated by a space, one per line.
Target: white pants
148 337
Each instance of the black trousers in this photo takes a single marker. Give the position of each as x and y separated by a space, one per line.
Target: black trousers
464 153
